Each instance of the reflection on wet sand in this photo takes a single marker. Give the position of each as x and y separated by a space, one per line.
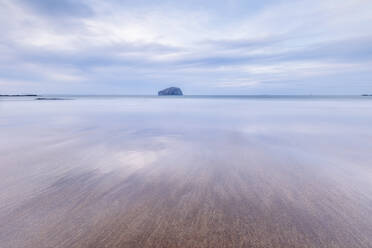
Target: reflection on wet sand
139 179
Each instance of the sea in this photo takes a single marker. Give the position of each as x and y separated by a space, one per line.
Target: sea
186 171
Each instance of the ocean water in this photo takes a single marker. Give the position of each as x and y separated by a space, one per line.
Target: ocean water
193 171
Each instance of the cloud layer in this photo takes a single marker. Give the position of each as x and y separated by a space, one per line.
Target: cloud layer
205 47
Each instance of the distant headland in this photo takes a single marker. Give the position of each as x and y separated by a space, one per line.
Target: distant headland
18 95
171 91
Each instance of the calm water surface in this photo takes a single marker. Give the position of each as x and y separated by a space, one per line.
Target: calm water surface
115 171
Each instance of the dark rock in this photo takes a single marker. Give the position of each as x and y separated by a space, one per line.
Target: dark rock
171 91
50 98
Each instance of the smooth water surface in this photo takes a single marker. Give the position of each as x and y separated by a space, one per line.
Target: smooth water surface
96 171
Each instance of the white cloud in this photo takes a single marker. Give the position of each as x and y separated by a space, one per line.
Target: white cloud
284 41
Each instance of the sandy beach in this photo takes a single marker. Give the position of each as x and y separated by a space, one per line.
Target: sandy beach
186 172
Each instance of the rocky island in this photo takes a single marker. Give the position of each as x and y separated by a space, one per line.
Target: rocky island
171 91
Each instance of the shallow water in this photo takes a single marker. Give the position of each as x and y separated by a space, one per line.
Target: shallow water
186 172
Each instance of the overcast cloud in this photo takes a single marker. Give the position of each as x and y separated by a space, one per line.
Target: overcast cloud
205 47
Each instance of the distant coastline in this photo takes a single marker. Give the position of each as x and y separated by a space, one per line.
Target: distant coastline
50 96
19 95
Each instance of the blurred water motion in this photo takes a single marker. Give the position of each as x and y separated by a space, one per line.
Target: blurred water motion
186 172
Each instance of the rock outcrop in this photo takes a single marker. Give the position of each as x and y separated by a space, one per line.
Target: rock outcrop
171 91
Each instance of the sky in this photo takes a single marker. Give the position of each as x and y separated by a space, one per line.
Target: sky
204 47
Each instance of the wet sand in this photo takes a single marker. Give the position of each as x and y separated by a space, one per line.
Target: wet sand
186 173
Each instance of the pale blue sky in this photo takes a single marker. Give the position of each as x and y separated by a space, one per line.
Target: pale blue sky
204 47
